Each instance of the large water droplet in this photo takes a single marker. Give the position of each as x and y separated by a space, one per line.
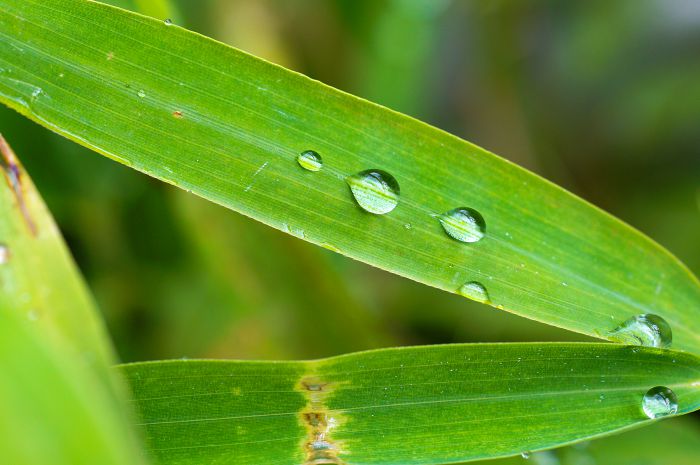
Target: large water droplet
646 330
310 160
659 402
474 290
376 191
464 224
4 254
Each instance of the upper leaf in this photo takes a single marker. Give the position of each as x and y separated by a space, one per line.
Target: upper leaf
229 127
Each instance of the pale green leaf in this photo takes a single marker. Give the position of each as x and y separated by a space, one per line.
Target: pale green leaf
59 395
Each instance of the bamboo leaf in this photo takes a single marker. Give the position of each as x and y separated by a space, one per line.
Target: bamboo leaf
59 394
229 127
421 405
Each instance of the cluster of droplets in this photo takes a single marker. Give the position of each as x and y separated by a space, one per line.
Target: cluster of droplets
378 192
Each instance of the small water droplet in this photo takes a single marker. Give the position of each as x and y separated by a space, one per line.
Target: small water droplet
463 224
376 191
168 22
141 93
474 290
525 455
646 330
659 402
407 226
4 254
310 160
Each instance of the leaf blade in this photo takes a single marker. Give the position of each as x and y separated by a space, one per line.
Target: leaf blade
228 127
468 402
58 387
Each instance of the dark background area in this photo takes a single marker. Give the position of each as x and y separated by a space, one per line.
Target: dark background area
600 97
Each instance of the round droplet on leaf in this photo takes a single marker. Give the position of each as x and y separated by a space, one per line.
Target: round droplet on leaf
310 160
647 330
659 401
463 224
375 191
475 291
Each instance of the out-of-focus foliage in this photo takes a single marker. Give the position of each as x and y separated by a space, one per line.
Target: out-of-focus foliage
575 92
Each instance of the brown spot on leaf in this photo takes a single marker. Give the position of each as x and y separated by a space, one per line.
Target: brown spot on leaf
13 175
177 114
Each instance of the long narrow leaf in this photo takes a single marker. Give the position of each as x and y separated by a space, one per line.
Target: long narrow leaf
421 405
229 127
60 399
545 254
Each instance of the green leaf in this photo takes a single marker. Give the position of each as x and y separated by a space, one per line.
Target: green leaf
39 279
54 409
420 405
59 395
228 127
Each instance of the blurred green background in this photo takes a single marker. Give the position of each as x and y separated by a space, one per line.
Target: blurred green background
601 97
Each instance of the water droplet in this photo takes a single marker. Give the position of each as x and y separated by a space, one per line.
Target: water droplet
141 93
474 290
463 224
646 330
659 402
376 191
407 226
4 254
525 455
310 160
168 22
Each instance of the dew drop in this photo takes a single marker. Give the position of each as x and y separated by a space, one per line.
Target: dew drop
659 402
141 93
474 290
4 254
375 191
168 22
463 224
525 455
646 330
310 160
